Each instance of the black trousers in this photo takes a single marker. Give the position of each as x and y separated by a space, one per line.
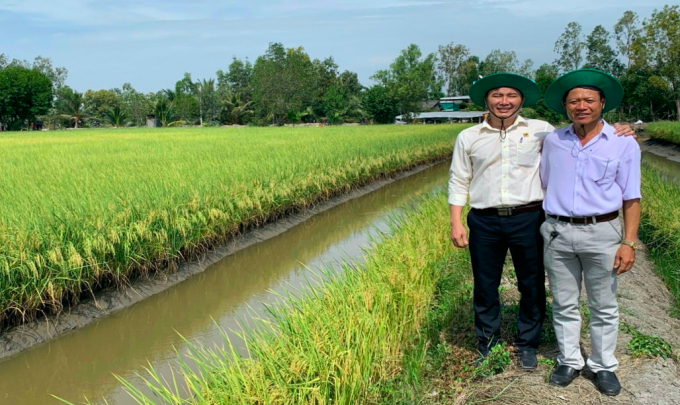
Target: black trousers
490 238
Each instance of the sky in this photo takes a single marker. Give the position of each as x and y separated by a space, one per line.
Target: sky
151 43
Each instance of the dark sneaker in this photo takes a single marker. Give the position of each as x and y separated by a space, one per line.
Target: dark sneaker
527 360
607 383
563 376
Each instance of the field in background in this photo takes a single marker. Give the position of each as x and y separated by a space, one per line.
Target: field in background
84 209
665 131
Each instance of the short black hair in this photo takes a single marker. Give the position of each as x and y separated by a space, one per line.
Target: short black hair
587 87
496 88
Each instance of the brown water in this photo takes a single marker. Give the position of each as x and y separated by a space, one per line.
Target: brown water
81 363
670 169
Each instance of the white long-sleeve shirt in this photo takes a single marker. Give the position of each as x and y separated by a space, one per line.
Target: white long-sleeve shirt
495 172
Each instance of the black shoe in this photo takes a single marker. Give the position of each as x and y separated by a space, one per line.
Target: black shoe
563 376
607 383
527 360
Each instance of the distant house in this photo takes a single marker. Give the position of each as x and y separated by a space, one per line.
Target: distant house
453 103
437 117
151 121
430 105
446 109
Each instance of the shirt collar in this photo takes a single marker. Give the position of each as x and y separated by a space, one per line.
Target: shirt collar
518 121
607 130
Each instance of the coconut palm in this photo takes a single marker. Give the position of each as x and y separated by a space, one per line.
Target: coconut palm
164 112
116 116
235 109
70 105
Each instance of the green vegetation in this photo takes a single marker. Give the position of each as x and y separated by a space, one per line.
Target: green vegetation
665 131
660 225
345 341
90 208
494 363
645 345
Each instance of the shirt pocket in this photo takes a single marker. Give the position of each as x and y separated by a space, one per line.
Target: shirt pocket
527 153
602 171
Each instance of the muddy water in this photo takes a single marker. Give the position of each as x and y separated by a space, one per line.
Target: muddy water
664 158
80 364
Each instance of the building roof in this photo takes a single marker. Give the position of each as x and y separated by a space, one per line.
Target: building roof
429 105
456 98
447 115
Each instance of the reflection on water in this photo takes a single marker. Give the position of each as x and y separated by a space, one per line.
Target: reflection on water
82 363
670 170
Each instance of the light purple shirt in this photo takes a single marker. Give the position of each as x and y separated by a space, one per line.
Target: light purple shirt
589 180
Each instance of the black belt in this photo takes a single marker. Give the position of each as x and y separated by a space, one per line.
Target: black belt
587 220
510 211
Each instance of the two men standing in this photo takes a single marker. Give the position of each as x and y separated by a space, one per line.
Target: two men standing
497 164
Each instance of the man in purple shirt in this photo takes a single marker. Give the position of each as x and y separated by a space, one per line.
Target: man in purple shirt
589 174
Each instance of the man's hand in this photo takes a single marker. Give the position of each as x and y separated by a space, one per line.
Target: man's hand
458 235
624 130
625 257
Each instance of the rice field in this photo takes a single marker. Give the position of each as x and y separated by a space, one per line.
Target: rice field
81 210
660 225
665 131
343 341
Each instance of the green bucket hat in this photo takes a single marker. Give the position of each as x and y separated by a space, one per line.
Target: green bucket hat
610 86
529 89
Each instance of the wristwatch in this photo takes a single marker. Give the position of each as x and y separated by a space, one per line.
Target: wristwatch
633 245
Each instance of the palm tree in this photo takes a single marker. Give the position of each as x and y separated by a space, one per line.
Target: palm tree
116 116
208 104
236 109
70 105
164 112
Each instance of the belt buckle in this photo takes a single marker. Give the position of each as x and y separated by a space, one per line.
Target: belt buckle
504 211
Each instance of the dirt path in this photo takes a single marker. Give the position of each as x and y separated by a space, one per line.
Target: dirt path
644 303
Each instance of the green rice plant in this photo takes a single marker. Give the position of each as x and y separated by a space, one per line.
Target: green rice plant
338 343
81 210
660 225
665 131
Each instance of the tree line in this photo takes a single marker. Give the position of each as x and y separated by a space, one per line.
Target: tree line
285 85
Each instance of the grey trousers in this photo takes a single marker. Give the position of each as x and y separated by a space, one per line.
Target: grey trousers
583 252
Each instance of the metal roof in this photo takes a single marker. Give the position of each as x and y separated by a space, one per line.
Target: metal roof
455 98
447 114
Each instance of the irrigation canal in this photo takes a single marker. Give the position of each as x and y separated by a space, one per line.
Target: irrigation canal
82 363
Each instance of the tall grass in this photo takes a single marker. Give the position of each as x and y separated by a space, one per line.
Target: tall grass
341 342
80 210
665 131
660 225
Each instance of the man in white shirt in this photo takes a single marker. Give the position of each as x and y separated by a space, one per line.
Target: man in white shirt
496 164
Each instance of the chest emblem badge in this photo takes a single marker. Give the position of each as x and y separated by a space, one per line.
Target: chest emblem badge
526 134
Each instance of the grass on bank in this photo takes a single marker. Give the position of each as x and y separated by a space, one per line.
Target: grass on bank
347 340
665 131
660 226
85 209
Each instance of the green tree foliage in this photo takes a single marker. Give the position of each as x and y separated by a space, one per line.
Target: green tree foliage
544 76
57 76
658 48
164 112
24 94
208 100
350 82
570 47
235 110
411 79
236 80
378 103
626 31
99 103
136 105
599 54
499 61
453 68
71 105
283 81
116 117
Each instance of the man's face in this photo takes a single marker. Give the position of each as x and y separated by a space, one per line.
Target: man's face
583 106
504 101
